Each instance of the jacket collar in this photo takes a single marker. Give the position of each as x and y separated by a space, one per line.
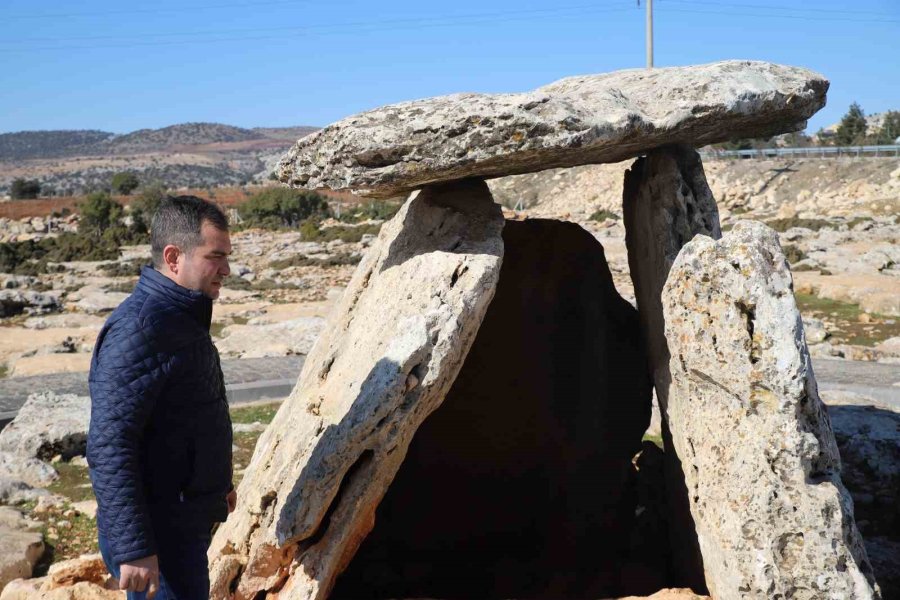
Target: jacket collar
194 302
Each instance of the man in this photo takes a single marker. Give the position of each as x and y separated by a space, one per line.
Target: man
159 445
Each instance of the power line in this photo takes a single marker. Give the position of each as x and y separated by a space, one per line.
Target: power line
781 7
364 26
779 16
131 11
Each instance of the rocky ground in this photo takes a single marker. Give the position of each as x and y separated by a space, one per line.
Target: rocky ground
837 221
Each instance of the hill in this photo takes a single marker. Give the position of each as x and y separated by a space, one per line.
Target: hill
184 155
23 145
185 134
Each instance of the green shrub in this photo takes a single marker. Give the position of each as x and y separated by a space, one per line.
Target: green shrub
311 232
793 254
603 214
282 207
98 213
144 206
24 189
301 260
376 209
132 268
124 183
783 225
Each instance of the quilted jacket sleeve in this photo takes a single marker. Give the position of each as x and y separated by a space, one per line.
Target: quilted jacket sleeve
125 381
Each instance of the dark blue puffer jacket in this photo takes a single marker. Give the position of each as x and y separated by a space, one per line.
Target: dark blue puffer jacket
159 445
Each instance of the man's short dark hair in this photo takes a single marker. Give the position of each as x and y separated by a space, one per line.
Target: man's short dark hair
178 220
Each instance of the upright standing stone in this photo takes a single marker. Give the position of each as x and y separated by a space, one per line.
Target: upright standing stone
666 203
520 485
760 460
386 360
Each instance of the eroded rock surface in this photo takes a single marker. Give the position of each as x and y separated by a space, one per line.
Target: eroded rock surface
20 547
758 453
519 485
574 121
666 202
390 352
47 425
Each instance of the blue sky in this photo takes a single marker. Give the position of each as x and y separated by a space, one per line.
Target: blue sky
117 66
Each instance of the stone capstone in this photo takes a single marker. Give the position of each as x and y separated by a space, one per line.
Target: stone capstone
522 479
574 121
387 358
760 461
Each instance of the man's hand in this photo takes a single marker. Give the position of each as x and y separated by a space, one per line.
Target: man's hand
140 575
231 499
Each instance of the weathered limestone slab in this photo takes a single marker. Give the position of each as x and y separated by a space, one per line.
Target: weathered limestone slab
760 460
47 425
20 550
390 352
574 121
666 202
520 484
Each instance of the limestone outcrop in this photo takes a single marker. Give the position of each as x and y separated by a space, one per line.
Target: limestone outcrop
387 358
575 121
759 457
48 425
20 546
82 578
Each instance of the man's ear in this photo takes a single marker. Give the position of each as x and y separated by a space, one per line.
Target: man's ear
170 258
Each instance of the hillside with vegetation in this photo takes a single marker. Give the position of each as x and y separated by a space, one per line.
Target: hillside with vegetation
196 155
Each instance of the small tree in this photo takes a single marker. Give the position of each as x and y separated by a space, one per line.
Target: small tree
99 212
144 206
852 129
124 183
282 207
890 128
24 189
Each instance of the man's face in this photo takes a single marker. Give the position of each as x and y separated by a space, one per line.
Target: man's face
206 266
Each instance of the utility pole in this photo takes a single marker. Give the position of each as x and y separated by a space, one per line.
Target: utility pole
649 34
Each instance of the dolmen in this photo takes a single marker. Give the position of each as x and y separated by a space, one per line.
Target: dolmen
466 426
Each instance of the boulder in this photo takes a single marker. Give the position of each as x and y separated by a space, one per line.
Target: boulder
88 567
522 478
66 320
20 550
868 437
87 508
99 301
761 464
387 358
15 302
574 121
295 336
33 589
666 202
48 424
869 441
22 468
14 491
